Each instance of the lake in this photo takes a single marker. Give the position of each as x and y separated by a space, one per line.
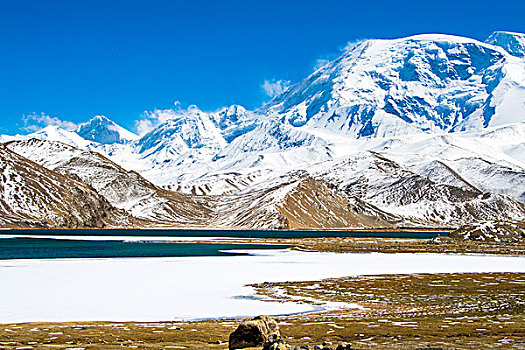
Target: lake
226 233
45 244
135 275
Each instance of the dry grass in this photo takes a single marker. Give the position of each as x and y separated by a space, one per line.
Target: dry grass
384 245
442 311
394 245
456 311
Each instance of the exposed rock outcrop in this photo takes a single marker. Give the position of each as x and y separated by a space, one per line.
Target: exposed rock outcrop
124 189
33 196
275 342
255 332
314 204
492 231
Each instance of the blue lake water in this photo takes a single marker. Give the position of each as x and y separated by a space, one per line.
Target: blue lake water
229 233
14 244
46 248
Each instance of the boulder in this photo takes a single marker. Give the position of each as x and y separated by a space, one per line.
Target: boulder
253 333
277 346
275 342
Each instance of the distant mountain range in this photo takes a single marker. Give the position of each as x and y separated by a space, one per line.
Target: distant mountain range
427 130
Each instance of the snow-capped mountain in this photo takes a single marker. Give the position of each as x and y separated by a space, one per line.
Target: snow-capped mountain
180 134
54 133
102 130
185 130
513 43
435 193
425 130
424 83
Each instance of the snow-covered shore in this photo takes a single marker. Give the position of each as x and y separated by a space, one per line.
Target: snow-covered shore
163 289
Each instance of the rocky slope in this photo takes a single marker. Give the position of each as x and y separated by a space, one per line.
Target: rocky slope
492 232
375 179
33 196
294 201
291 201
313 204
124 189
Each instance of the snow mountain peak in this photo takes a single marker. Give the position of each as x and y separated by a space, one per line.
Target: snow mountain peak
420 84
513 43
102 130
182 130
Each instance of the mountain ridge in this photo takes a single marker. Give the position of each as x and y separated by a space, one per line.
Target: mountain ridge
34 196
424 130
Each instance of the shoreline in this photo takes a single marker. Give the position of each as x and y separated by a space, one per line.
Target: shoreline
67 289
336 324
390 322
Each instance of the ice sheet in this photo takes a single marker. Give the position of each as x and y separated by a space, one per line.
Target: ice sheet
163 289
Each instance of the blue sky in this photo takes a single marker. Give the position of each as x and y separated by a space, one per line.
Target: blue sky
72 60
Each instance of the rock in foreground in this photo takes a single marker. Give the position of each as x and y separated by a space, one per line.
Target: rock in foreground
254 333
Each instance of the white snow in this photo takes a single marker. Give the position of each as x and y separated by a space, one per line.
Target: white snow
101 129
162 289
55 133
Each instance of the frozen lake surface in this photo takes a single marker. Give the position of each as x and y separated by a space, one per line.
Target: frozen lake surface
185 288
